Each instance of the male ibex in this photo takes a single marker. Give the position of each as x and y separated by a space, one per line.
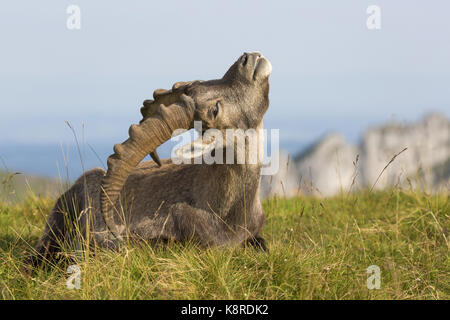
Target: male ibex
212 204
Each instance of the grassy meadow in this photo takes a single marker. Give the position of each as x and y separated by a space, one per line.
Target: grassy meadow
318 249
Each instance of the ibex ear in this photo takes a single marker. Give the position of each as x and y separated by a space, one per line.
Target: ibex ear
197 148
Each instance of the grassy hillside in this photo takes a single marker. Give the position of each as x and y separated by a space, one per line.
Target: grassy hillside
15 186
319 249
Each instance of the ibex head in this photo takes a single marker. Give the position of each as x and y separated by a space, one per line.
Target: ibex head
237 101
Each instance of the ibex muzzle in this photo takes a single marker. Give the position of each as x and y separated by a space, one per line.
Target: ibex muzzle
213 204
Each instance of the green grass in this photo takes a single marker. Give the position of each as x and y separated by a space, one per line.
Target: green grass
319 249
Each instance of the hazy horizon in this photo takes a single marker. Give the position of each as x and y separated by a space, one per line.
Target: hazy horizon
330 72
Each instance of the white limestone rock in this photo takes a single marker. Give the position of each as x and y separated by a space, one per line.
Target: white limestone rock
329 166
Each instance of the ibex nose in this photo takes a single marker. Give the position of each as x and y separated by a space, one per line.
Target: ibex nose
254 53
250 61
256 56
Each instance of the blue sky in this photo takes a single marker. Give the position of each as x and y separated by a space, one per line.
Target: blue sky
330 73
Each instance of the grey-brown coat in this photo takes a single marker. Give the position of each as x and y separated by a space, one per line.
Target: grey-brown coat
212 204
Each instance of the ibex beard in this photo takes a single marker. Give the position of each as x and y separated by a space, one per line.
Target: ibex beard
211 204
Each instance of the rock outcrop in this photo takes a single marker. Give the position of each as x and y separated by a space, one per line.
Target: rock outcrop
333 165
284 183
428 144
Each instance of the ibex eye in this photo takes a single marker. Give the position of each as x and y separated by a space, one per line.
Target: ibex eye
216 109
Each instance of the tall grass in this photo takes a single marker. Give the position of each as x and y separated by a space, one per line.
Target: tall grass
319 248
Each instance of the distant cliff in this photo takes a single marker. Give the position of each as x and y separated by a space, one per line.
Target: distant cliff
332 165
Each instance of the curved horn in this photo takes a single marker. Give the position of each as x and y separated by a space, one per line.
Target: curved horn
166 97
156 128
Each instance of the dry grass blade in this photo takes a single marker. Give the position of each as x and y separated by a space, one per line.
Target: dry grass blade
388 164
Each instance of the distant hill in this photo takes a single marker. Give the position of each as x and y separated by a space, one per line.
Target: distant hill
332 165
15 187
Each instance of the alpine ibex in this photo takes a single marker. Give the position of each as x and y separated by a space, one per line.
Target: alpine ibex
212 204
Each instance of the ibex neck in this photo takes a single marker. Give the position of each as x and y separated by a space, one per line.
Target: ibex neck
234 186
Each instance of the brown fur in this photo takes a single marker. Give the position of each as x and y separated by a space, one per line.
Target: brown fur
214 204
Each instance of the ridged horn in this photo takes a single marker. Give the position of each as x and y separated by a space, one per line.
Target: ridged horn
144 138
166 97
